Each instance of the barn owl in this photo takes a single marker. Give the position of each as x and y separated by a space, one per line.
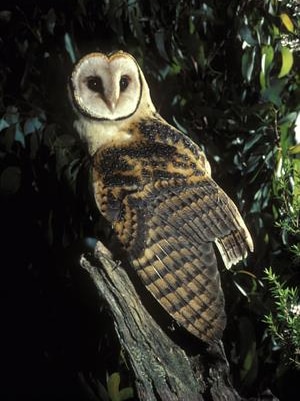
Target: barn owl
154 185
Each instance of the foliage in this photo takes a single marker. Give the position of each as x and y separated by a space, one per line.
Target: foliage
115 394
286 186
284 326
225 73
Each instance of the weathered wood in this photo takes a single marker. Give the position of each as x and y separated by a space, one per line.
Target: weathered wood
163 371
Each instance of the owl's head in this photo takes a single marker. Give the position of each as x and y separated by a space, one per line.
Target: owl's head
109 87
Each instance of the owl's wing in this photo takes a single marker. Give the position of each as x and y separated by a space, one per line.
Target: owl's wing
169 231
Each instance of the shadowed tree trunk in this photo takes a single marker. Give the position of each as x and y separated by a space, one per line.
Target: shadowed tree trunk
163 371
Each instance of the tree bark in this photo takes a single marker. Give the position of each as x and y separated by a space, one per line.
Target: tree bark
163 371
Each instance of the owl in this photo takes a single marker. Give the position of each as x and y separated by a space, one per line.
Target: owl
153 184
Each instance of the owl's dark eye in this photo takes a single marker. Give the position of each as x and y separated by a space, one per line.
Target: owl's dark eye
95 84
124 82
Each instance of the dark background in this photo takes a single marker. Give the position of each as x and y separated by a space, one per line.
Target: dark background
202 60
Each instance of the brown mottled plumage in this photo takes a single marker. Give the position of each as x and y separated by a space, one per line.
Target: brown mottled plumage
154 185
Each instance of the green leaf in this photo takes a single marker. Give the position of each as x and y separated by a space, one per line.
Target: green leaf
241 289
273 92
179 126
262 80
51 21
19 135
126 393
69 47
289 118
287 22
31 125
251 142
201 58
175 69
249 360
267 56
113 384
3 124
12 115
294 150
276 31
248 60
192 27
246 35
113 389
287 62
159 37
296 189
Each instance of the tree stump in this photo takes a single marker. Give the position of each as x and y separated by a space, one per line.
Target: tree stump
163 371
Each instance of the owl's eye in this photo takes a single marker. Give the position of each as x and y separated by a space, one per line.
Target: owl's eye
95 84
124 82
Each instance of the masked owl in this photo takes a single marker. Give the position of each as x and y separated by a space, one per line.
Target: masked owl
154 185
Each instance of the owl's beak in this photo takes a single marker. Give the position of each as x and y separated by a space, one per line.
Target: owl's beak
111 100
111 104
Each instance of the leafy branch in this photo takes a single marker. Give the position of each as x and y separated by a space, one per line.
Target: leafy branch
284 323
